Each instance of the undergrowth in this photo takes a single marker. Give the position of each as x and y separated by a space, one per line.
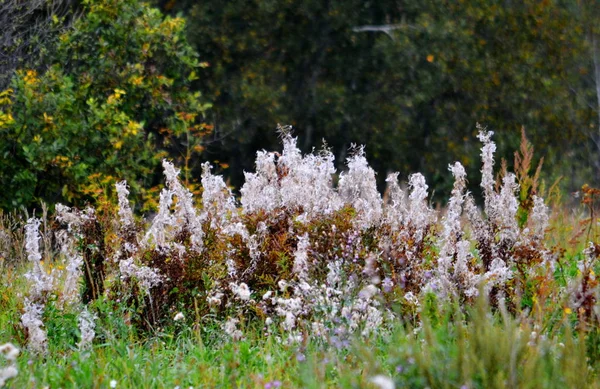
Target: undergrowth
309 279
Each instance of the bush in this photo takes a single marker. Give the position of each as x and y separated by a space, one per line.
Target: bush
116 100
319 260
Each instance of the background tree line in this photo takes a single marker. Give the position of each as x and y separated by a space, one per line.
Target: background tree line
409 79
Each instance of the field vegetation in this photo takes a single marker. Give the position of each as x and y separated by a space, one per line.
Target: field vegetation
156 232
309 279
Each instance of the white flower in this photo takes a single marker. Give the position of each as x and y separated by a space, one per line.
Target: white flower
230 328
301 257
358 187
487 178
32 321
32 238
179 316
10 351
219 204
383 382
7 373
241 290
86 326
113 383
146 276
125 213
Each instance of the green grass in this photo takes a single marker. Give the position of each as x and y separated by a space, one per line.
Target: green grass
477 348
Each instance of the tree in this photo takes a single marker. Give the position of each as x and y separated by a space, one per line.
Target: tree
410 79
29 31
116 100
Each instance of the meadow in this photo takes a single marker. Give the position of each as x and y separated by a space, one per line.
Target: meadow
309 278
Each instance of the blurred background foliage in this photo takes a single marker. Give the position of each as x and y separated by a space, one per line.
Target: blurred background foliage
120 88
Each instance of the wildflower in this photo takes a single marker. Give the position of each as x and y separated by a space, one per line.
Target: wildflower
113 383
7 373
383 382
32 239
358 187
214 297
368 292
301 258
146 276
230 328
86 327
219 204
539 217
261 189
74 261
241 290
507 207
179 316
125 213
395 209
273 384
9 351
40 281
32 321
487 172
419 215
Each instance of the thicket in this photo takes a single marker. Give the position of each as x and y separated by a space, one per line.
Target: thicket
312 262
316 258
115 100
407 79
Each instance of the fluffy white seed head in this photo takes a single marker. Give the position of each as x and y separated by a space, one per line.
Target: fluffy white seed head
539 218
37 340
487 171
358 187
301 258
125 213
87 329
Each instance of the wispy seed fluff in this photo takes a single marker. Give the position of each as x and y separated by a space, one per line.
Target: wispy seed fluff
358 188
452 231
40 285
395 207
37 340
74 262
261 189
507 207
301 258
125 213
218 201
86 327
306 181
293 181
147 277
10 353
165 224
419 216
487 172
539 218
451 222
39 282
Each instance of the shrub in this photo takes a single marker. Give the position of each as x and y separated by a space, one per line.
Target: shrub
116 100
